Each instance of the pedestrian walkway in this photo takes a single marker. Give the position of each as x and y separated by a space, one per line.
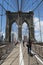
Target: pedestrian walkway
13 58
20 56
31 60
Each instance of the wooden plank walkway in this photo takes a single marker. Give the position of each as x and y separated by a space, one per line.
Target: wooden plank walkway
14 57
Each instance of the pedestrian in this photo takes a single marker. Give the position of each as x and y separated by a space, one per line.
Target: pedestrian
29 46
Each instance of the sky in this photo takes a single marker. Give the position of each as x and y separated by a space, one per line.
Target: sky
27 5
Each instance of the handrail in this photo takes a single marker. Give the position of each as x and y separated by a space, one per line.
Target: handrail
2 46
38 43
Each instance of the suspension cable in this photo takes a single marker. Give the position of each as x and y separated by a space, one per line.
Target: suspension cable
39 24
27 5
37 5
1 16
2 7
9 4
34 2
21 6
24 3
18 4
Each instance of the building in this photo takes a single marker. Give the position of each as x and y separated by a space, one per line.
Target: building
12 37
25 38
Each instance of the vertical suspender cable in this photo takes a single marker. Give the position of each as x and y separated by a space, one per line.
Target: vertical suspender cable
7 6
21 6
40 25
1 15
18 4
1 23
1 20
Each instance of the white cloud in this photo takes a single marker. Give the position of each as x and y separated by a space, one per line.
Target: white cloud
35 19
41 23
36 23
37 27
42 26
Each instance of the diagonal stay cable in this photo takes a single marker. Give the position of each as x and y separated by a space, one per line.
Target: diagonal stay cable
34 2
27 5
37 5
15 4
2 7
9 4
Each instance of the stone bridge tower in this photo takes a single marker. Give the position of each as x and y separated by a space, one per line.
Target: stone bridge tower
19 17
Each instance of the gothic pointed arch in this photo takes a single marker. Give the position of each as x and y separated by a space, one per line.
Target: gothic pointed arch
19 17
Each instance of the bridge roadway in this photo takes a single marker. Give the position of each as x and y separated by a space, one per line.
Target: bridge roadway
20 56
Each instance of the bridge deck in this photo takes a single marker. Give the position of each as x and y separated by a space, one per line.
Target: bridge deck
20 56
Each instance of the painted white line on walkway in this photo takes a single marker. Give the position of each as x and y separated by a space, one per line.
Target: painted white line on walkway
38 58
21 61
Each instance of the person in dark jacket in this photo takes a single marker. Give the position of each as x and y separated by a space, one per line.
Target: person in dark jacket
29 46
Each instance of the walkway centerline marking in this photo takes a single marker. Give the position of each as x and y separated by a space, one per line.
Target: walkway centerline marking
21 61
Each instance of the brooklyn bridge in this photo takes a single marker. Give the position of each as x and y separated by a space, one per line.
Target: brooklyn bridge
21 32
